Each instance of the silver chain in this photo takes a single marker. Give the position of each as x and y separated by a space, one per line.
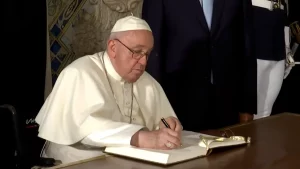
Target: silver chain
106 74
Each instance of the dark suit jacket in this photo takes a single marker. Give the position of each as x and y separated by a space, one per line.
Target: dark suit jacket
186 52
269 33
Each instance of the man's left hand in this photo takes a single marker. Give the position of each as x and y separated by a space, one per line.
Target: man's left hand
173 123
246 117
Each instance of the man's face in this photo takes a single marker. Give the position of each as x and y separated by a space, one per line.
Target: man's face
130 53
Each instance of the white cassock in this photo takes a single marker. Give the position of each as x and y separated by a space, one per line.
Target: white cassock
82 112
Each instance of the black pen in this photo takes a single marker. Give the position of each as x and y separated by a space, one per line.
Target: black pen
165 123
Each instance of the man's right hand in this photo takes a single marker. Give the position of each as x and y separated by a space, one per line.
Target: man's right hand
163 139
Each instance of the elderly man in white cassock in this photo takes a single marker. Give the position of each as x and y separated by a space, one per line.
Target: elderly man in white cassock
107 99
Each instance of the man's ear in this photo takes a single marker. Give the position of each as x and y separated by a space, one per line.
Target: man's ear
111 48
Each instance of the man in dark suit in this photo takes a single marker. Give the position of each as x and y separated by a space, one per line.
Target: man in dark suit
202 58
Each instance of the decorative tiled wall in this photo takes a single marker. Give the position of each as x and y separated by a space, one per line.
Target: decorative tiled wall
80 27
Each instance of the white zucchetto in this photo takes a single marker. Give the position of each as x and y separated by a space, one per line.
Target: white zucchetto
130 23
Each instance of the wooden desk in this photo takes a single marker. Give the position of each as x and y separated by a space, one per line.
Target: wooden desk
275 144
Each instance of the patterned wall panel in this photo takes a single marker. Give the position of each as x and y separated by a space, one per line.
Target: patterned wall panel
81 27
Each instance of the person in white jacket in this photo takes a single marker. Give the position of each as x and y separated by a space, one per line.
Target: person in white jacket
107 99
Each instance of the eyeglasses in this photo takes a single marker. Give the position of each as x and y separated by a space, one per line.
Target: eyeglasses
136 55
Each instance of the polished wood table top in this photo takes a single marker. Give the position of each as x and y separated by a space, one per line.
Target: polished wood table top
275 144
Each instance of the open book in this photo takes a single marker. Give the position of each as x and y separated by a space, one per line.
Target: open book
194 145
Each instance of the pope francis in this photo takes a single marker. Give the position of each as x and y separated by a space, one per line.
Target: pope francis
107 99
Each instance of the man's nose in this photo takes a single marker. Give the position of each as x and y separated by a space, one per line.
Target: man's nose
143 60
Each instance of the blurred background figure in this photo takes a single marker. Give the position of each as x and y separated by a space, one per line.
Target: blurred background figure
273 51
271 48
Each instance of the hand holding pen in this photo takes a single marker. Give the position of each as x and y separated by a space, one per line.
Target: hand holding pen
173 124
167 137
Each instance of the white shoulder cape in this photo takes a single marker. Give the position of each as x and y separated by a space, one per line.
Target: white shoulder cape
81 103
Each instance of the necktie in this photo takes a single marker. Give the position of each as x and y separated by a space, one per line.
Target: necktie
208 10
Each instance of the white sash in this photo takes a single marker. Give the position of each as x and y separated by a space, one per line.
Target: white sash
265 4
